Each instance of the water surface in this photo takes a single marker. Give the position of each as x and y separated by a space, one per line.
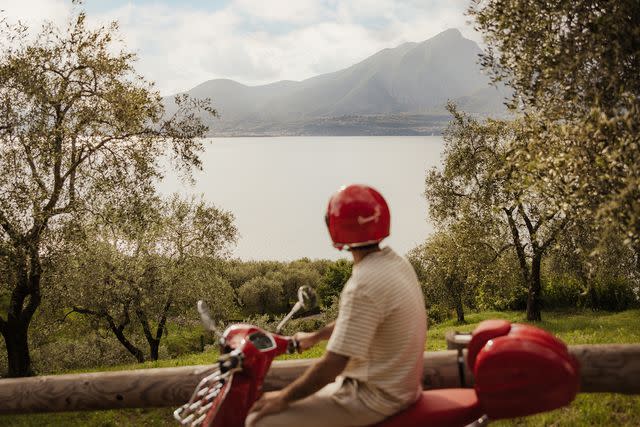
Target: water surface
278 188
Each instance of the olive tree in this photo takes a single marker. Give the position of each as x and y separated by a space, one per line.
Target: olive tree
154 257
332 282
481 178
452 262
263 295
78 126
443 273
573 67
294 275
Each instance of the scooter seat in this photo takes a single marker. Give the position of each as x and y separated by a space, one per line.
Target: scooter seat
455 407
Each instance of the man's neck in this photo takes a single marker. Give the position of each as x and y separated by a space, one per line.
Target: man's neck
360 253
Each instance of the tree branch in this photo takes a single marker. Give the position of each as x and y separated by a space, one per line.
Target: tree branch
65 209
117 330
126 319
527 222
498 252
522 258
72 176
554 234
3 251
82 311
81 158
544 220
58 180
100 314
34 170
461 195
7 226
163 318
142 317
64 318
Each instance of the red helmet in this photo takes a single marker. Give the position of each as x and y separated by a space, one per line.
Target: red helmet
357 215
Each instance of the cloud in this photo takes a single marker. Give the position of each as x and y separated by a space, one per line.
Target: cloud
34 12
257 41
282 11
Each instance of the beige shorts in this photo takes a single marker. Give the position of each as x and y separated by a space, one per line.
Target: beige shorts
335 405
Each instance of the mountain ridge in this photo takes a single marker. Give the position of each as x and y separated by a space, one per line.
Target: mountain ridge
414 79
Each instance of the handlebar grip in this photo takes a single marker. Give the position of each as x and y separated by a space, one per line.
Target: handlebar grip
293 346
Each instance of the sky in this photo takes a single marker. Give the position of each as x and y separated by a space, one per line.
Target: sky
182 43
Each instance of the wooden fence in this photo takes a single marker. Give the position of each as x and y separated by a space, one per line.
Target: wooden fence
604 368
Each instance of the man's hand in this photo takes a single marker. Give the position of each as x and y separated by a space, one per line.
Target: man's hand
270 403
319 374
305 340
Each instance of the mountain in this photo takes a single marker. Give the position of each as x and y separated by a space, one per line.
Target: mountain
395 91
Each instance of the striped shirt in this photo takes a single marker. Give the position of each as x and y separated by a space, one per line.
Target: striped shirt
381 327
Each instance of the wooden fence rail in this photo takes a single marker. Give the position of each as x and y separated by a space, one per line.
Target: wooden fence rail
604 368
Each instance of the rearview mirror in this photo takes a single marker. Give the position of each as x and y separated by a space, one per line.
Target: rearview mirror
307 299
205 317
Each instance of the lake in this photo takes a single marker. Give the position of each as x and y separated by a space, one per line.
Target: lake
278 188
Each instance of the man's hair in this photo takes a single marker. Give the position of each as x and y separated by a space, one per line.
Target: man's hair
365 247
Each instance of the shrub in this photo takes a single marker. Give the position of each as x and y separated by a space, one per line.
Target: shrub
611 294
330 310
333 281
437 313
563 293
185 341
614 295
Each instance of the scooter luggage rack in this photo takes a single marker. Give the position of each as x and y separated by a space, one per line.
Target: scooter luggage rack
194 412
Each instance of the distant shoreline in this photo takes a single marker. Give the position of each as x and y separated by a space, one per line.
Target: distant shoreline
347 125
243 135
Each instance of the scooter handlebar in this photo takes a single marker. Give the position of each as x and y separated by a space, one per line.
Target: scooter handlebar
293 345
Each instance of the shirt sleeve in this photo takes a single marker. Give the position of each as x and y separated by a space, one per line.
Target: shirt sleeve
356 325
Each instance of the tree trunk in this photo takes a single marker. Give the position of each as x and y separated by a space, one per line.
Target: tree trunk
154 342
118 330
162 324
522 256
16 340
460 312
456 288
153 349
535 289
135 351
636 250
25 299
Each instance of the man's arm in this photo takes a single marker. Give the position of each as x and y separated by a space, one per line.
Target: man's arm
321 373
306 340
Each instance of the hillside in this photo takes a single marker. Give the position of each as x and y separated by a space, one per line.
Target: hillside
399 91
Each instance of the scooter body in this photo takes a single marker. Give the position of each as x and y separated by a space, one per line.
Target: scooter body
255 349
224 398
518 369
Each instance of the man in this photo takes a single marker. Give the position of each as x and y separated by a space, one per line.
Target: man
373 364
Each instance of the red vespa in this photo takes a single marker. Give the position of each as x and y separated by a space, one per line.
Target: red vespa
518 369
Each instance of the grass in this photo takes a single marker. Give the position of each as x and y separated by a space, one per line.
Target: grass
206 358
572 327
